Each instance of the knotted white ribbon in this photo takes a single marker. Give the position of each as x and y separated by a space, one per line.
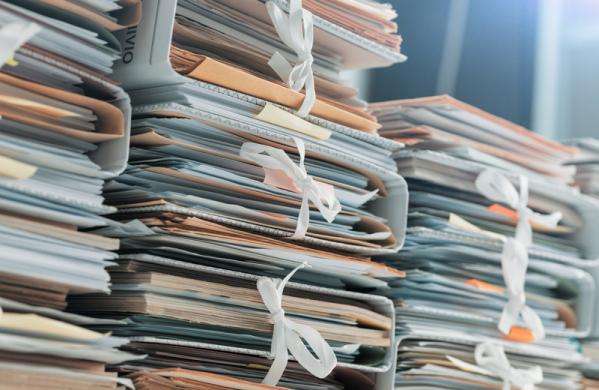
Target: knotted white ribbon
13 36
289 336
492 361
296 30
322 195
514 258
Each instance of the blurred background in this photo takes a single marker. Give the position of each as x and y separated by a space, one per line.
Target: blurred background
535 62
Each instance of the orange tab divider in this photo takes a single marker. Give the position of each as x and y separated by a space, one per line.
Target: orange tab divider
484 286
520 335
505 211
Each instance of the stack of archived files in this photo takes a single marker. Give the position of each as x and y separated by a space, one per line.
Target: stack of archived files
63 131
587 180
219 204
467 171
587 165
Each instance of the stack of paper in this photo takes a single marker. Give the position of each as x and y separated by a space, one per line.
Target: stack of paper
454 292
587 181
587 165
38 352
202 318
180 378
220 41
228 183
445 124
63 131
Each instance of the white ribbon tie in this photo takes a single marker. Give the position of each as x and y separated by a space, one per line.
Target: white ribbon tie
296 30
322 195
514 258
289 336
13 36
492 361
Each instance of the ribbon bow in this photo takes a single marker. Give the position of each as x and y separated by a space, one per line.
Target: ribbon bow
296 30
287 335
271 158
514 258
14 35
492 361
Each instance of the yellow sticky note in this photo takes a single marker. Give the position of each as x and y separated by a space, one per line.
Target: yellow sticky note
15 169
277 116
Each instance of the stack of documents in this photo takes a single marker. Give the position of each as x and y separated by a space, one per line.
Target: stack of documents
587 165
63 131
179 378
223 41
452 297
587 181
40 352
445 124
64 128
181 314
228 183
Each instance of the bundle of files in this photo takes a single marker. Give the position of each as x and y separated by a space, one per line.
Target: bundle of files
230 190
226 42
587 165
586 180
63 131
471 176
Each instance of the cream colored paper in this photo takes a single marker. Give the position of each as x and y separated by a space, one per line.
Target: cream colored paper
42 325
279 117
461 223
15 169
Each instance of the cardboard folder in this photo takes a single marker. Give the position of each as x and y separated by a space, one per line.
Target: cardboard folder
110 123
